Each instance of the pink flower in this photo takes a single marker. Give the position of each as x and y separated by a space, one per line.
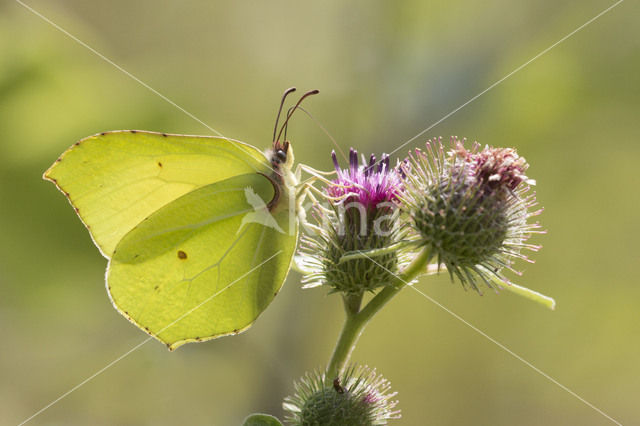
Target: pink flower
367 184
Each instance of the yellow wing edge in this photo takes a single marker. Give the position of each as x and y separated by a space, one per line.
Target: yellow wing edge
46 174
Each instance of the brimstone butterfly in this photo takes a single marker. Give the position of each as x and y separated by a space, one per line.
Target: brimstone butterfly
199 231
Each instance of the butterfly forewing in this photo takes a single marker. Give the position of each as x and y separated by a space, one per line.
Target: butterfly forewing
116 179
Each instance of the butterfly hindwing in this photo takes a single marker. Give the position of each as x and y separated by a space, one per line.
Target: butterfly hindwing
203 266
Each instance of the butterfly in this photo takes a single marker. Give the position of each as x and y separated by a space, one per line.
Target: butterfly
199 231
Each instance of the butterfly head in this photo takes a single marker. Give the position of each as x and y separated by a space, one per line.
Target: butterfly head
281 155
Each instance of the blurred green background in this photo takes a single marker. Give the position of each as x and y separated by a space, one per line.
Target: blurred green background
386 71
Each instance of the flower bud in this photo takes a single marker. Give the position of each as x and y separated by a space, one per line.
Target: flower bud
361 216
470 208
359 397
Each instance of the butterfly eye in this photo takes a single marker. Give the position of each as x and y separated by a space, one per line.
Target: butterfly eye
281 155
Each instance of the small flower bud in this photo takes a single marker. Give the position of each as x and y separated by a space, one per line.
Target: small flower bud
359 397
470 208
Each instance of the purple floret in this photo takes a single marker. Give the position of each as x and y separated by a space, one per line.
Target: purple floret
369 184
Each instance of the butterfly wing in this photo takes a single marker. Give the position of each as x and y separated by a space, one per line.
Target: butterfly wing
114 180
195 270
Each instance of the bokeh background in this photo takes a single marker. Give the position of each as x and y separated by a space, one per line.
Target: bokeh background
386 71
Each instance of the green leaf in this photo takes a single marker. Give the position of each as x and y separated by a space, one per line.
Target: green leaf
261 420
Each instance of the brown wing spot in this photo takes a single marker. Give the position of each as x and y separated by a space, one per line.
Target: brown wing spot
77 143
198 339
103 133
182 255
165 135
159 164
58 160
77 210
236 331
133 131
155 288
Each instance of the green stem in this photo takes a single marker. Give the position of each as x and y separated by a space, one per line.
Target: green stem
357 320
352 303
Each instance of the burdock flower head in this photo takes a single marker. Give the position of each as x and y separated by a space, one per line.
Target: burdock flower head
359 397
366 184
471 208
351 248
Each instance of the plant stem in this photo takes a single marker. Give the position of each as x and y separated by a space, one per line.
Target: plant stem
355 322
352 303
351 331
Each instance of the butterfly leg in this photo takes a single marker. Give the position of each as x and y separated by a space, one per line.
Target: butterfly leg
306 189
313 172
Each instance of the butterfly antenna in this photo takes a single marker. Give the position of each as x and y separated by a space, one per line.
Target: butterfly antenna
292 110
286 125
326 132
284 96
